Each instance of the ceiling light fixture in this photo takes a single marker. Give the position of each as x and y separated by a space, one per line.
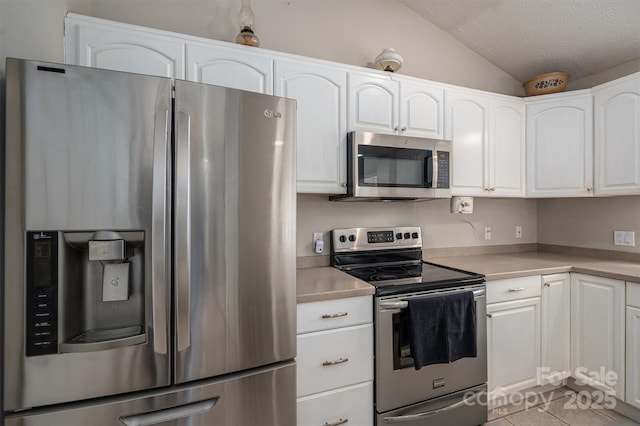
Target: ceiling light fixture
388 60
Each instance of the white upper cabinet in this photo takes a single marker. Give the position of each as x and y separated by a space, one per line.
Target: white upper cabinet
373 103
320 92
617 136
559 145
237 67
421 109
91 43
395 105
467 127
506 157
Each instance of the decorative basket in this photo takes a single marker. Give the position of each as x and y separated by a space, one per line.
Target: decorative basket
543 84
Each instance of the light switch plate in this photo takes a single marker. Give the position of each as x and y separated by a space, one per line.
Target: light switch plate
624 238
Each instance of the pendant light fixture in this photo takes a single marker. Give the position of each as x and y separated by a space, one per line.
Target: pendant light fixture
246 19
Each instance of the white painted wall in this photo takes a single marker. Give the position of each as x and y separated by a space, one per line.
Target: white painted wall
588 222
440 228
345 31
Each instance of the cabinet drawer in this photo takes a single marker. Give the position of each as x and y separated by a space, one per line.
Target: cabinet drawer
327 314
513 289
352 405
334 358
633 294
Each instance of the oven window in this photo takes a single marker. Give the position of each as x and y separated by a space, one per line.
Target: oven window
393 167
401 350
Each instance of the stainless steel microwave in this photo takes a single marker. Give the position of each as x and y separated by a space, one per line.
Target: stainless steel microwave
395 167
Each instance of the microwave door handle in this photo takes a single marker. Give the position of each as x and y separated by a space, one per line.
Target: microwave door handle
434 169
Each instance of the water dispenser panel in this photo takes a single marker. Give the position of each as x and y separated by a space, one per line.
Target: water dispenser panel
42 293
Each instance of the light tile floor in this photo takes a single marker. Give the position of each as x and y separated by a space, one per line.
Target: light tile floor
558 407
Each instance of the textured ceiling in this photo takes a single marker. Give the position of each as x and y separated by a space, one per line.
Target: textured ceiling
530 37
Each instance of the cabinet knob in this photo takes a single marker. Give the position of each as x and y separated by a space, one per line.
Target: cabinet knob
589 189
404 129
395 129
344 185
489 315
547 285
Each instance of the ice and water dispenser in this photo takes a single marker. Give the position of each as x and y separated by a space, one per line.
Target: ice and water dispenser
85 291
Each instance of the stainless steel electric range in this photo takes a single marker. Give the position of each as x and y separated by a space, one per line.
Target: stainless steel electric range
439 394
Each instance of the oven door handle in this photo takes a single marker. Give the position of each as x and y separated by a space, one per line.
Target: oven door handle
402 304
418 416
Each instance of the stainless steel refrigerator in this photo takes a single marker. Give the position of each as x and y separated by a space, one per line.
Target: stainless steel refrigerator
149 251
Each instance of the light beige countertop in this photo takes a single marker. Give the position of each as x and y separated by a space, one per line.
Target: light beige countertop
326 283
501 266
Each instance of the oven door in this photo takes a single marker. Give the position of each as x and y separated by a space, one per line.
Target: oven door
398 383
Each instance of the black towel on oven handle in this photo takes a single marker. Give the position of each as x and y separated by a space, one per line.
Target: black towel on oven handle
442 328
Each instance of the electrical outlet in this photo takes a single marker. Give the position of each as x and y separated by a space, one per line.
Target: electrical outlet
487 233
624 238
318 243
518 231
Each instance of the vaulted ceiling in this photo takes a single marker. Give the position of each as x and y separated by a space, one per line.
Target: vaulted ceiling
530 37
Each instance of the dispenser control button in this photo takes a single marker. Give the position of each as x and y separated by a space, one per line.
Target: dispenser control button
414 235
407 235
352 238
399 236
342 238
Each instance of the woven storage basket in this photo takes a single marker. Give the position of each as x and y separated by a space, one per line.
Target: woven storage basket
542 84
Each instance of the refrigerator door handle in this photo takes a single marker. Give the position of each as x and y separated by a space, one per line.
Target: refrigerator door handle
183 229
159 235
169 414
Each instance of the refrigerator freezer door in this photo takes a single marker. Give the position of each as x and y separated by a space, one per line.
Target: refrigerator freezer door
235 222
87 151
265 397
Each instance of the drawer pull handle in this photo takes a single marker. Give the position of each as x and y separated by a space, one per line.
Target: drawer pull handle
339 422
516 289
336 362
336 315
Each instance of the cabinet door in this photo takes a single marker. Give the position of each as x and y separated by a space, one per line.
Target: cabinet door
513 345
96 44
559 146
373 103
421 110
351 405
466 125
556 339
597 330
322 101
633 356
237 67
506 148
617 137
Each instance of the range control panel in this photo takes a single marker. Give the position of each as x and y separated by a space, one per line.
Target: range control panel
356 239
42 293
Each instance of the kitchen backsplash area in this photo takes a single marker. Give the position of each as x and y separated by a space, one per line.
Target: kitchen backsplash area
588 222
573 222
440 228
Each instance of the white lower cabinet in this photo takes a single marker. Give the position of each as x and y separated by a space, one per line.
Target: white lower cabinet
598 332
556 338
339 406
513 333
633 344
335 362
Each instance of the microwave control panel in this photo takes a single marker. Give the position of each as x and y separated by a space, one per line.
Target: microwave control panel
443 169
42 293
